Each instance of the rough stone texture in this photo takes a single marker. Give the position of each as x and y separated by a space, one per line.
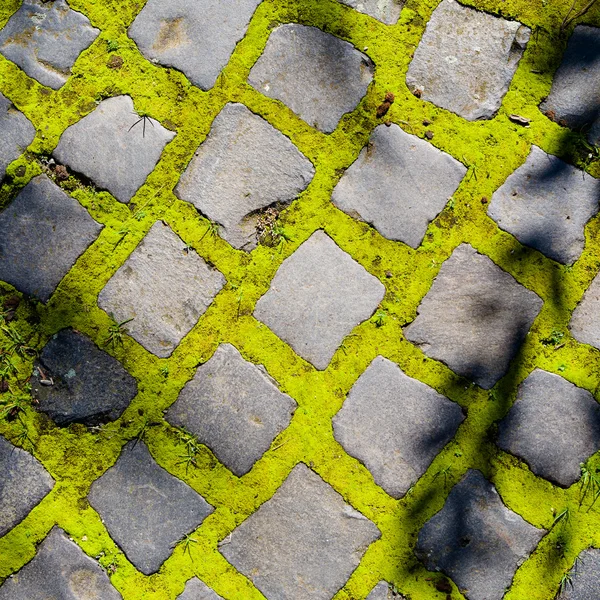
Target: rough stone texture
387 11
318 295
382 591
16 133
44 232
244 165
466 60
45 39
89 385
194 36
585 325
585 577
23 484
110 149
319 76
553 425
476 540
545 204
164 288
399 183
395 425
304 543
474 318
60 570
145 509
234 408
198 590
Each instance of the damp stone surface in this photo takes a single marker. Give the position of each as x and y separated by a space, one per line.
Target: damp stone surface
585 325
585 577
16 133
198 590
386 11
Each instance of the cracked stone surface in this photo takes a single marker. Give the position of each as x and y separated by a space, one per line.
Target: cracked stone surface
195 36
198 590
59 570
476 540
553 425
474 318
24 484
466 60
387 11
45 39
318 295
399 183
110 149
163 308
319 76
585 577
545 204
233 407
44 231
244 165
145 509
382 591
89 385
303 543
16 133
395 425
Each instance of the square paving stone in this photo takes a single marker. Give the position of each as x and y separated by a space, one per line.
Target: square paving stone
382 591
145 509
553 425
198 590
476 540
233 407
62 571
318 295
45 39
466 60
545 204
474 318
24 484
195 36
16 133
399 183
303 543
585 577
164 288
585 324
387 11
88 385
114 147
244 165
44 231
395 425
319 76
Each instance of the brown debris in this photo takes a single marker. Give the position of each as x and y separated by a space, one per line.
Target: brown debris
385 105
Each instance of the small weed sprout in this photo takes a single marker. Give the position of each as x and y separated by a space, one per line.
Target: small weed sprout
189 457
164 371
143 119
554 339
589 485
112 45
564 516
212 230
15 343
566 581
445 473
380 317
115 334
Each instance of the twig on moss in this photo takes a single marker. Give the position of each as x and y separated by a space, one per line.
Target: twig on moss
569 19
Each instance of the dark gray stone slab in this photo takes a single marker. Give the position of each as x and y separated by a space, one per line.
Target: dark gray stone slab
16 133
145 509
244 165
45 39
553 425
164 288
387 11
399 183
395 425
88 385
61 571
466 60
585 324
198 590
319 76
110 149
44 232
303 543
233 407
474 318
585 577
318 295
476 540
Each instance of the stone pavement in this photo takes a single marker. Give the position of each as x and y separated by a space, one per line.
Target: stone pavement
299 300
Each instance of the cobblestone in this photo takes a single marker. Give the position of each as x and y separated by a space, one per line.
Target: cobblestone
198 590
16 133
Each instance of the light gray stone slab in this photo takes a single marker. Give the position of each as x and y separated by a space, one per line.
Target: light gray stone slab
319 76
164 288
474 318
387 11
303 543
476 540
382 591
399 183
466 60
16 133
198 590
43 233
62 571
244 165
553 425
145 509
195 36
233 407
585 324
45 39
585 577
395 425
108 147
318 295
